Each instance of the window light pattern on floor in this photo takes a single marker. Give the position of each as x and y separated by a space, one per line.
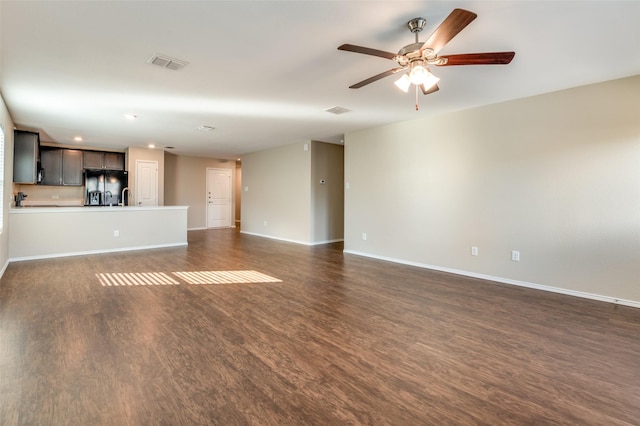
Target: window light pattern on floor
135 278
225 277
200 277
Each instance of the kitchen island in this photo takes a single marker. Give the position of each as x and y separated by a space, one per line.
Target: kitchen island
43 232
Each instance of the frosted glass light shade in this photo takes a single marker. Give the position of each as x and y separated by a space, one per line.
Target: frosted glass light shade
430 81
418 75
403 83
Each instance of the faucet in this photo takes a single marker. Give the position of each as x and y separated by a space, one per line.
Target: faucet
125 189
21 196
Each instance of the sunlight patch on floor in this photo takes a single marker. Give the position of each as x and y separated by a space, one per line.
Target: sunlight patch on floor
200 277
135 278
225 277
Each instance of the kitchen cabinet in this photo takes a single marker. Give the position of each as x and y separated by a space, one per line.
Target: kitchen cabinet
99 160
114 160
26 155
61 166
71 167
51 161
93 159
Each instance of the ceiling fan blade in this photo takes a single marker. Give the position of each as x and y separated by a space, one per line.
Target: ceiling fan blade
457 20
430 90
367 51
492 58
376 78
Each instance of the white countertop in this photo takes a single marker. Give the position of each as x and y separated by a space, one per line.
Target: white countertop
89 209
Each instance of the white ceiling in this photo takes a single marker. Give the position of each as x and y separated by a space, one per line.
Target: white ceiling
264 72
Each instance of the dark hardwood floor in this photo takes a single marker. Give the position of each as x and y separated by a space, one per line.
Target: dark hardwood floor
340 340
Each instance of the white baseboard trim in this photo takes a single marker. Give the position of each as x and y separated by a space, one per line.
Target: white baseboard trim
83 253
315 243
204 228
275 238
601 298
4 268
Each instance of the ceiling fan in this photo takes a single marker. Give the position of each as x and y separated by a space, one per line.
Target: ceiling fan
413 59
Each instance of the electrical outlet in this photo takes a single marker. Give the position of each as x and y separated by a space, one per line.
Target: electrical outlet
364 236
265 223
515 256
474 251
116 233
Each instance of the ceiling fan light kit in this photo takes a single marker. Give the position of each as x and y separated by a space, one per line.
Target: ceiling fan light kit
403 83
413 59
419 76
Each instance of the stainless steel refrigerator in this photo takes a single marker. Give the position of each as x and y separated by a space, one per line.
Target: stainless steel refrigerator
104 187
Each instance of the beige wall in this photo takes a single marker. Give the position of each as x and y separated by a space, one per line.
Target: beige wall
186 185
278 201
171 192
7 126
135 154
284 191
327 199
556 177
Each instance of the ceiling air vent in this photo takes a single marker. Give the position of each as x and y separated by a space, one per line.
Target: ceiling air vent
337 110
167 62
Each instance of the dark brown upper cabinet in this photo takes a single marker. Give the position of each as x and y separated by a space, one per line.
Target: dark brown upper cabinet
61 167
26 156
99 160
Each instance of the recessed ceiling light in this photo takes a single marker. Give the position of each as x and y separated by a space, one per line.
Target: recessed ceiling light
151 146
130 116
205 128
78 138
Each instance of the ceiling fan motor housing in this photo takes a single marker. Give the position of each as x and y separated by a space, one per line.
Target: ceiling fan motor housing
416 52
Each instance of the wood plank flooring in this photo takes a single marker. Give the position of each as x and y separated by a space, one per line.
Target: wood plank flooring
340 340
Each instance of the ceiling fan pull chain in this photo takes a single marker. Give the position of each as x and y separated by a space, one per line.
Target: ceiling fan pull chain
417 106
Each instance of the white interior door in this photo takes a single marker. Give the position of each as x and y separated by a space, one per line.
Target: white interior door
218 198
146 183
